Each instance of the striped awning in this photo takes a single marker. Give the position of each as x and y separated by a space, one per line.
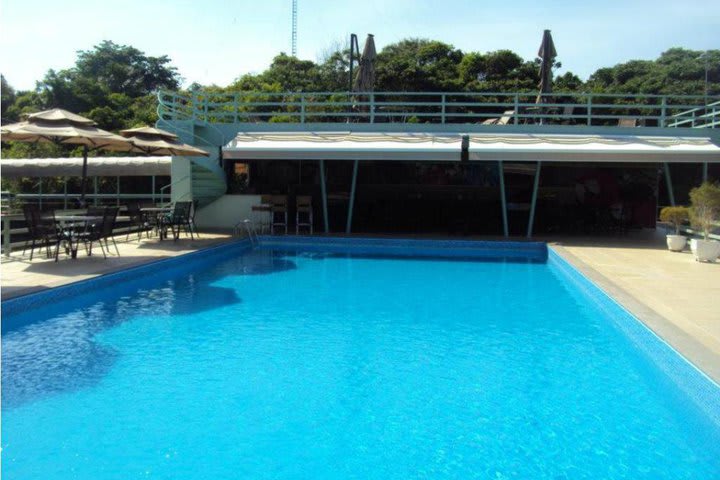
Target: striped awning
592 148
449 147
97 167
344 146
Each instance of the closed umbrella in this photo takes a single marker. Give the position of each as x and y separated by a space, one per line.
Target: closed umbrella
66 128
365 79
547 55
154 141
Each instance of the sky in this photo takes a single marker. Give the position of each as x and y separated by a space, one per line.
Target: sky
216 41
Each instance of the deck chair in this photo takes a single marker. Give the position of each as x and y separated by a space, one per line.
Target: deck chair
503 120
566 118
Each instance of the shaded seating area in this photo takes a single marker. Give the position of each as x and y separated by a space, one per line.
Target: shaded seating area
178 219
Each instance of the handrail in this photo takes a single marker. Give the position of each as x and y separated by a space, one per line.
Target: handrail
585 108
173 183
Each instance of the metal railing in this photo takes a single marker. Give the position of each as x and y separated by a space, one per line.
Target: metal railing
590 109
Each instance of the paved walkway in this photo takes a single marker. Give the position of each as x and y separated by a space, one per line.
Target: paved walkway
674 295
19 276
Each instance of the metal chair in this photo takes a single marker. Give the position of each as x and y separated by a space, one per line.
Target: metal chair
303 205
279 207
262 213
43 231
139 220
179 218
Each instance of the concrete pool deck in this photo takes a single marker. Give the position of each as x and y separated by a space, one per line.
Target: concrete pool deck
671 293
20 276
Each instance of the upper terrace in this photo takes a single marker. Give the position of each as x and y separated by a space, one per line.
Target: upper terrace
443 108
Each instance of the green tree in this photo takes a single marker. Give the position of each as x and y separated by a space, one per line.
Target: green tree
7 99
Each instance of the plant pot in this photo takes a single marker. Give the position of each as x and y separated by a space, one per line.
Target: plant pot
676 243
705 250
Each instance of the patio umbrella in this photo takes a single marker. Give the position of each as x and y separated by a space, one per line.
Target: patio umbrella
154 141
365 79
547 54
66 128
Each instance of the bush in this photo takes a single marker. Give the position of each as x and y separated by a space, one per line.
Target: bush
705 210
676 216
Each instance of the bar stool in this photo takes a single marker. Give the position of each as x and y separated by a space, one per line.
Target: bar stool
262 213
303 204
279 213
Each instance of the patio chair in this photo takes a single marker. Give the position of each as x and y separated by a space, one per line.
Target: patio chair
303 206
279 207
101 231
43 231
178 219
138 220
503 120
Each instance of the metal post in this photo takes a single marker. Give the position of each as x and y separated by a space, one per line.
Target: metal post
323 192
153 189
705 172
442 106
663 111
95 189
668 183
117 192
64 193
352 197
533 202
6 235
372 108
302 108
40 193
516 107
503 200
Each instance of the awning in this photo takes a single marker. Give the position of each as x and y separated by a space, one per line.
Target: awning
592 148
345 146
447 147
97 167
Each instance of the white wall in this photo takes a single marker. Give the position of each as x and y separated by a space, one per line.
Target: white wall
227 211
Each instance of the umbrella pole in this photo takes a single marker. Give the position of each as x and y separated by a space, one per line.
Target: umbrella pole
84 176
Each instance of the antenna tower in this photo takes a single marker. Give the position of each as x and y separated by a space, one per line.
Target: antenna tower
294 28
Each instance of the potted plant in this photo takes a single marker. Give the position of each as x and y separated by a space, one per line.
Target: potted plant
705 211
675 216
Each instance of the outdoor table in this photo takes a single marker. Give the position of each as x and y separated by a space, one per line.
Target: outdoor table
77 222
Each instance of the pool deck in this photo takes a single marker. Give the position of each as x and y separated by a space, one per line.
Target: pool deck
671 293
20 276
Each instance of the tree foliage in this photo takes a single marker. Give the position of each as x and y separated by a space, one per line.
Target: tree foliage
115 84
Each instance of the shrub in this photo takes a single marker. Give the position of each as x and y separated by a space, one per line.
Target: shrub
705 210
676 216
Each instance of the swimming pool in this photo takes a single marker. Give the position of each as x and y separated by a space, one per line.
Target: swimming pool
335 358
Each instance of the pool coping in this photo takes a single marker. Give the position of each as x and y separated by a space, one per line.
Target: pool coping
707 361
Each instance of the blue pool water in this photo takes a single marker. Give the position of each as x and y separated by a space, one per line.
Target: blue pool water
289 365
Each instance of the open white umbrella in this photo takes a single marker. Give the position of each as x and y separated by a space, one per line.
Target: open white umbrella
154 141
66 128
